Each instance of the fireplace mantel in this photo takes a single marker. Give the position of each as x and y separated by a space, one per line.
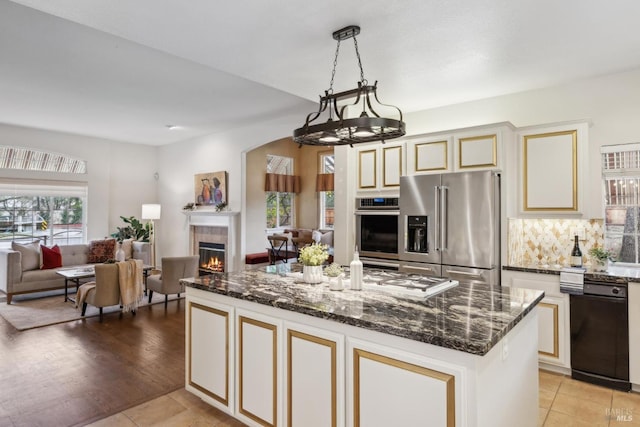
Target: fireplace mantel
209 217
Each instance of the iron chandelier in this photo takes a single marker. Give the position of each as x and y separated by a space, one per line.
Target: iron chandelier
339 129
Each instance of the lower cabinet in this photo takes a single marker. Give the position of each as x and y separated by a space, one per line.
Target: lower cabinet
634 334
314 377
258 358
553 315
389 389
209 358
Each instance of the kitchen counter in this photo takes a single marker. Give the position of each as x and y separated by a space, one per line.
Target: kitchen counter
270 350
614 274
468 318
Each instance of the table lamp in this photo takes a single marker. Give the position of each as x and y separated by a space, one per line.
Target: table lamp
152 212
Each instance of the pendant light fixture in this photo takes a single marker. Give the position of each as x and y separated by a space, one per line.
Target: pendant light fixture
338 128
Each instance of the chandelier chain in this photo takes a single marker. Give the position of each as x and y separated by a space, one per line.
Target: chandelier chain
333 72
362 79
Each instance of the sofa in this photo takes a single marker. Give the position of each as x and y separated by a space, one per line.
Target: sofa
23 270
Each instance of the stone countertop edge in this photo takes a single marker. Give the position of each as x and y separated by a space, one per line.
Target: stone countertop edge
614 274
442 320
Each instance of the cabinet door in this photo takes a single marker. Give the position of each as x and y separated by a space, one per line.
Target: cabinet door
554 164
429 155
391 390
258 361
367 169
315 372
549 329
391 166
477 151
634 333
209 362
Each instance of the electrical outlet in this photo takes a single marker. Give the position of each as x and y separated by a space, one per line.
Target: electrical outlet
578 231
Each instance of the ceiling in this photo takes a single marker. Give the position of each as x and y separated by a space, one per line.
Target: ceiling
124 70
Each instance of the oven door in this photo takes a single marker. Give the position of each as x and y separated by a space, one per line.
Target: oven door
377 234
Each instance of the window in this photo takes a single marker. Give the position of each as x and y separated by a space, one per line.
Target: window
327 165
621 180
280 205
54 213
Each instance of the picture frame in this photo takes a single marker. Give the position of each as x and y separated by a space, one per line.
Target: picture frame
210 188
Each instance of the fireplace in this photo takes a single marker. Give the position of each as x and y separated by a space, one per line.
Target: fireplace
212 258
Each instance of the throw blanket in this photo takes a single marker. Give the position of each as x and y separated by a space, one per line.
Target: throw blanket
131 285
83 291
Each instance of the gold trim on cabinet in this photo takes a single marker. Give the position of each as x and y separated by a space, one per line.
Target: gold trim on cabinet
494 154
574 163
273 329
556 347
360 153
446 156
321 341
224 400
384 166
448 379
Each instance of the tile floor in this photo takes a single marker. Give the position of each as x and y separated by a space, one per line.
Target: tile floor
563 402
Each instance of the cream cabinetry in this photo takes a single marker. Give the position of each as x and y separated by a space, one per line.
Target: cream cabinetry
634 334
379 166
209 357
476 148
554 168
258 361
380 378
553 315
314 388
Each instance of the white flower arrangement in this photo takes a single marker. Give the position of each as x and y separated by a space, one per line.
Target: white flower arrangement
333 270
315 254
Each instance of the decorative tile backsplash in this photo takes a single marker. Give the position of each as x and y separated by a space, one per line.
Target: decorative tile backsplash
548 242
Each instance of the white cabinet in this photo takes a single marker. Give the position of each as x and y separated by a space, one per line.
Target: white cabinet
634 334
314 389
379 166
432 154
258 359
210 364
553 315
389 388
554 166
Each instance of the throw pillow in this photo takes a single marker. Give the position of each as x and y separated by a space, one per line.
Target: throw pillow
30 255
127 247
327 238
51 257
101 250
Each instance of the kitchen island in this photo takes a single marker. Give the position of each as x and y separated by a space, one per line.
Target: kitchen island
270 350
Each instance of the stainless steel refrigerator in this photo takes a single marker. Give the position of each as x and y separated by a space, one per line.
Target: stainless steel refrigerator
449 226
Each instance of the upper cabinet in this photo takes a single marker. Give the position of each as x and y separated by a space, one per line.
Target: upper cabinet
379 166
554 163
477 148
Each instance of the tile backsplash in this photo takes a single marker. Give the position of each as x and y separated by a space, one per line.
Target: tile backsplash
538 241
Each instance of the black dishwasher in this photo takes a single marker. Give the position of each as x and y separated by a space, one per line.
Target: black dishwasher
600 335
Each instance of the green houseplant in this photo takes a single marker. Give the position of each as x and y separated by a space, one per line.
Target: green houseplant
601 257
134 229
312 257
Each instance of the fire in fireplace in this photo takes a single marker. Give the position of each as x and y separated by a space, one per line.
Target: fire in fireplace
211 257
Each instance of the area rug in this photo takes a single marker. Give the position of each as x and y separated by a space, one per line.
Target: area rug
31 312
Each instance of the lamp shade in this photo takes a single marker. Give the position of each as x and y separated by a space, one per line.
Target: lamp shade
151 211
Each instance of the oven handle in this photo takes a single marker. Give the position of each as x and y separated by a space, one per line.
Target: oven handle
390 213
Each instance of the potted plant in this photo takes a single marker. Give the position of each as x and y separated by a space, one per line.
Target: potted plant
335 272
601 257
312 257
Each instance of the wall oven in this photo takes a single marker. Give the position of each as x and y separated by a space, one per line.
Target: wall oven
377 231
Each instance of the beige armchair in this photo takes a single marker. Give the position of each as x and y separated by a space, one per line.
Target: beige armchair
107 288
173 269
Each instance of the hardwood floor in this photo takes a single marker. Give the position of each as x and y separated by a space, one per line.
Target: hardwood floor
78 372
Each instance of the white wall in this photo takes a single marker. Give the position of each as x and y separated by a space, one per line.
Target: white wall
119 175
179 162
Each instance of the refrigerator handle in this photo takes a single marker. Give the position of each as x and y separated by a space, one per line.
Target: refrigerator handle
444 227
436 234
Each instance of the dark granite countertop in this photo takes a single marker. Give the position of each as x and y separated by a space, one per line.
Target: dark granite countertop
615 273
468 318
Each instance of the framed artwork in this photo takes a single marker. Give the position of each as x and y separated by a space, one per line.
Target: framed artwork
210 188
